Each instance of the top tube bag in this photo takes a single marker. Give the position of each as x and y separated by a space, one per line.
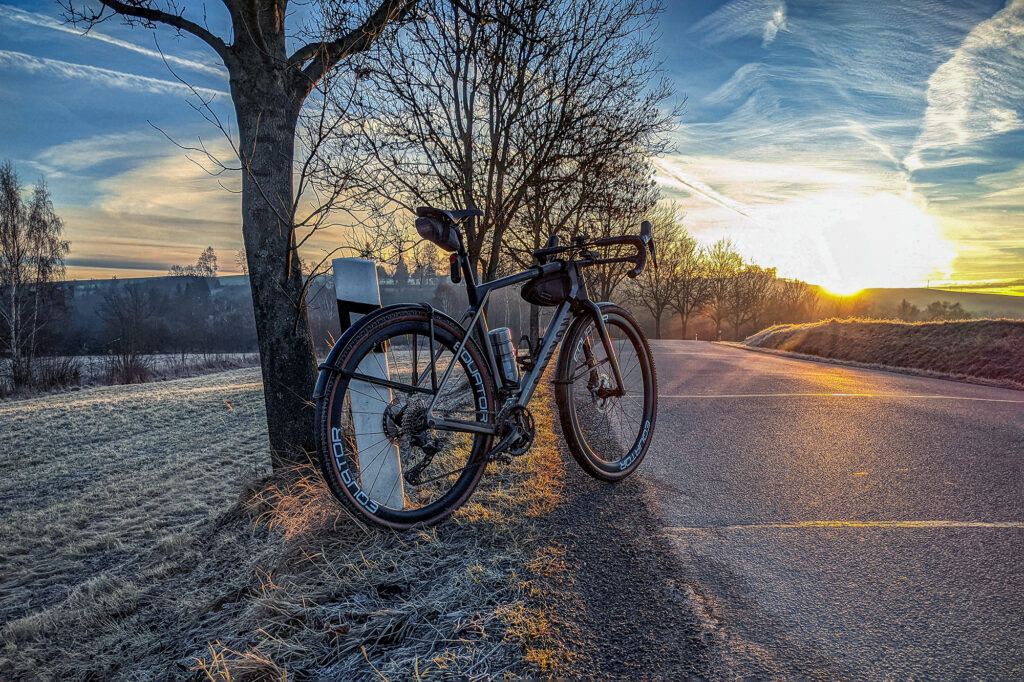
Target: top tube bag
547 290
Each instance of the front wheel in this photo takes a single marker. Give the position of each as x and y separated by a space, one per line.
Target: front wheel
608 434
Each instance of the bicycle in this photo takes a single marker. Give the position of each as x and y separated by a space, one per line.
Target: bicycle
412 405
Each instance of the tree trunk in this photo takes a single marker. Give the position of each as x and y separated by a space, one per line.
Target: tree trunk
534 324
16 377
657 326
683 320
267 114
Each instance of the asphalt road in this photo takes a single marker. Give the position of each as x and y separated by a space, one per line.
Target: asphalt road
840 522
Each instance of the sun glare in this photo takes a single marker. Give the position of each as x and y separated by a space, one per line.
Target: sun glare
846 241
841 290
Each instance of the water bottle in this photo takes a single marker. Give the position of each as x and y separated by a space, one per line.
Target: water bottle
505 352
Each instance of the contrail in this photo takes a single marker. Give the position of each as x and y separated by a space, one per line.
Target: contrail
18 15
704 191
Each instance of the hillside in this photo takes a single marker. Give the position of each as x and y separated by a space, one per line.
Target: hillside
982 350
978 305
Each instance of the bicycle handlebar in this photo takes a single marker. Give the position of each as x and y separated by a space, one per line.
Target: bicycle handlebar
643 242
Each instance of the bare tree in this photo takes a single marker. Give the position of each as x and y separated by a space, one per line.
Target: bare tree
268 88
206 265
692 283
31 260
944 310
723 262
241 262
747 297
907 311
491 114
127 313
427 261
793 301
605 199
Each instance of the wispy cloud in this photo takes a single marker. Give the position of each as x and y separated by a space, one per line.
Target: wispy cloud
744 18
670 174
99 76
79 155
19 16
161 209
978 92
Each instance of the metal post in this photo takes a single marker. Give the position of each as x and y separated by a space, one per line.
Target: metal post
380 467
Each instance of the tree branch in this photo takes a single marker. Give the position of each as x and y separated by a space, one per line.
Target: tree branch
136 9
325 55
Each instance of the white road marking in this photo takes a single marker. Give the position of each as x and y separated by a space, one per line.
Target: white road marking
836 395
854 524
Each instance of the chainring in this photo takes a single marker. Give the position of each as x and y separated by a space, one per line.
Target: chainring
516 418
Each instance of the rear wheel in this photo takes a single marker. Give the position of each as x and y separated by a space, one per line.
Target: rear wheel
607 434
377 453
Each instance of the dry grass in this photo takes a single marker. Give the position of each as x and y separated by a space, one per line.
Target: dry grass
132 549
981 350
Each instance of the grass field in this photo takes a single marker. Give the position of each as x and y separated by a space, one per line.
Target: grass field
143 537
988 351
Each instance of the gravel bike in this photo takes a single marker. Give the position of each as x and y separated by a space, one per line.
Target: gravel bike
412 405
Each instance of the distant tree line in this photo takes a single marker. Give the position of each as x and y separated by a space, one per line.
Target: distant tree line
187 315
936 311
714 283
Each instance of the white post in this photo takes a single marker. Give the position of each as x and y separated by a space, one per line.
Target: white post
380 467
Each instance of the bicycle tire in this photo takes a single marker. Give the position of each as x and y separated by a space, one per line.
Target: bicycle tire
583 431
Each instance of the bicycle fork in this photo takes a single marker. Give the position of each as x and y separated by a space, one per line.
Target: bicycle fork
609 349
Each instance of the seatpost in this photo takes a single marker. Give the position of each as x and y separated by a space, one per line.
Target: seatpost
467 271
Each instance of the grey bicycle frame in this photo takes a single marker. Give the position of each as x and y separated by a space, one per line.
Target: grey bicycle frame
565 313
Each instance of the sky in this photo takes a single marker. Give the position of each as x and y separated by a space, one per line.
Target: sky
849 144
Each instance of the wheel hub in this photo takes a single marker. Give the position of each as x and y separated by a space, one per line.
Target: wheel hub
601 392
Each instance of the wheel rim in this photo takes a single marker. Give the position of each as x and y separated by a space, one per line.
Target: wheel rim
609 428
377 430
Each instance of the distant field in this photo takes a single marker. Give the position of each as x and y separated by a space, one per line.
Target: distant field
984 350
142 539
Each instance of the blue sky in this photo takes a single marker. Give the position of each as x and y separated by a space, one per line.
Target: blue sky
847 143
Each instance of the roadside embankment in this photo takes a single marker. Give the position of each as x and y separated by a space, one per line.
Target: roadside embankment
983 351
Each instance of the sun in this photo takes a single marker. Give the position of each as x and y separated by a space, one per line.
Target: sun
843 290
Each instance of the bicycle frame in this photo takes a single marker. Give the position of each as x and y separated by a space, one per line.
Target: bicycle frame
578 302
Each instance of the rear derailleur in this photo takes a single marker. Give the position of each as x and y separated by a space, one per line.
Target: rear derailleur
403 419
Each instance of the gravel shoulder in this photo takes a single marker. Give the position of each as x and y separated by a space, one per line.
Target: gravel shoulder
619 600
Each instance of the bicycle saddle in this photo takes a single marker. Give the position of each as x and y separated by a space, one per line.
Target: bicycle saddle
455 215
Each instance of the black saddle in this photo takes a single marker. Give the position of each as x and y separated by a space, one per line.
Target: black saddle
455 215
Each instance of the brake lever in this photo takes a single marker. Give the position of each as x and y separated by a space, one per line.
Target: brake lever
646 244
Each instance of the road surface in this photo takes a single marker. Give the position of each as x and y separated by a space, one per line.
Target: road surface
841 522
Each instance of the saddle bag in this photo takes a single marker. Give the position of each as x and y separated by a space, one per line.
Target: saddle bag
547 290
439 231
